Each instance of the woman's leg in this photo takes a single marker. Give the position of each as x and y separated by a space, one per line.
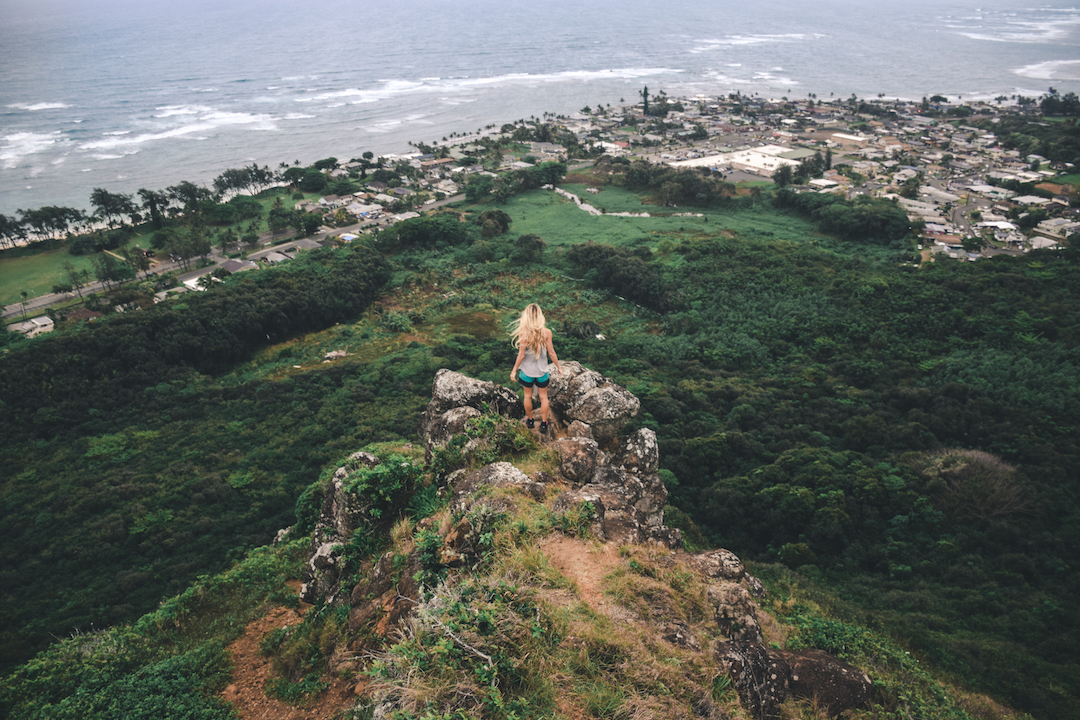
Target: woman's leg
528 401
543 404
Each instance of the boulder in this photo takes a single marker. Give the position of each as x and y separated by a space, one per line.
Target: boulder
453 390
500 474
630 507
586 396
760 680
341 514
717 564
578 458
735 612
579 429
639 453
445 426
830 682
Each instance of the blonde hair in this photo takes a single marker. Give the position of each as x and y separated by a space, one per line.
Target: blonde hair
528 330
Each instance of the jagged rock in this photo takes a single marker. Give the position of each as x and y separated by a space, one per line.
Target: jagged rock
678 633
719 564
735 612
381 604
568 502
342 512
445 426
830 682
579 429
639 453
760 680
452 390
587 396
578 458
631 508
500 474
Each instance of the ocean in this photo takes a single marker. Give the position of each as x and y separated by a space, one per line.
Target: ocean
130 94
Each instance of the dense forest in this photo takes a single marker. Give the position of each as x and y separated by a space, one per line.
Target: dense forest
905 435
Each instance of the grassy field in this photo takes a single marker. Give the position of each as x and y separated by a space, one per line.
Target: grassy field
559 222
36 274
36 271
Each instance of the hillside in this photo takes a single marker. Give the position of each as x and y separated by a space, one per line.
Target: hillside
815 402
559 593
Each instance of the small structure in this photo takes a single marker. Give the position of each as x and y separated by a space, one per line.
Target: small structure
33 327
234 266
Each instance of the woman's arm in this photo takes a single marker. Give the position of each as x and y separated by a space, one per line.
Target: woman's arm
520 357
551 350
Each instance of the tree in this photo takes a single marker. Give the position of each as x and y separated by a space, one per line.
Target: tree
11 231
154 202
308 223
226 239
76 278
330 163
479 188
493 222
111 207
137 259
190 197
783 176
312 181
52 221
644 93
24 296
529 248
109 271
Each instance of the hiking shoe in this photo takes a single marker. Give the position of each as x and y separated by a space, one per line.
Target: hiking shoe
530 424
543 426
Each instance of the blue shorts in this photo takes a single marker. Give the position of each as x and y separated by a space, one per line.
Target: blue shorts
527 381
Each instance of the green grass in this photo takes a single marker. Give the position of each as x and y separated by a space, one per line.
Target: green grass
1073 179
559 222
36 274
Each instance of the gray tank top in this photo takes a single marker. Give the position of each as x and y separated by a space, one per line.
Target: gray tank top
534 366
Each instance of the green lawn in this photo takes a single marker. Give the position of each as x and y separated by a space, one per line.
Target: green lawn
36 274
559 222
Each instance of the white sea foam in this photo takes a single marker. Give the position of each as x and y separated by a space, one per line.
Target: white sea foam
298 116
1022 31
173 110
711 44
16 146
398 88
1051 70
208 121
40 106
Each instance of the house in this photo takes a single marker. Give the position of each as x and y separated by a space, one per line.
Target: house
33 327
332 201
234 266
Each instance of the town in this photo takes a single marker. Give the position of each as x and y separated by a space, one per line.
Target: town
965 194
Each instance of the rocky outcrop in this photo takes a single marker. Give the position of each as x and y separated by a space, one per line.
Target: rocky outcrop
455 398
625 490
611 485
342 513
760 678
591 404
829 682
578 394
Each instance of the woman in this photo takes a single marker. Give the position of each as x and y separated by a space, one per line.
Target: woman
533 341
